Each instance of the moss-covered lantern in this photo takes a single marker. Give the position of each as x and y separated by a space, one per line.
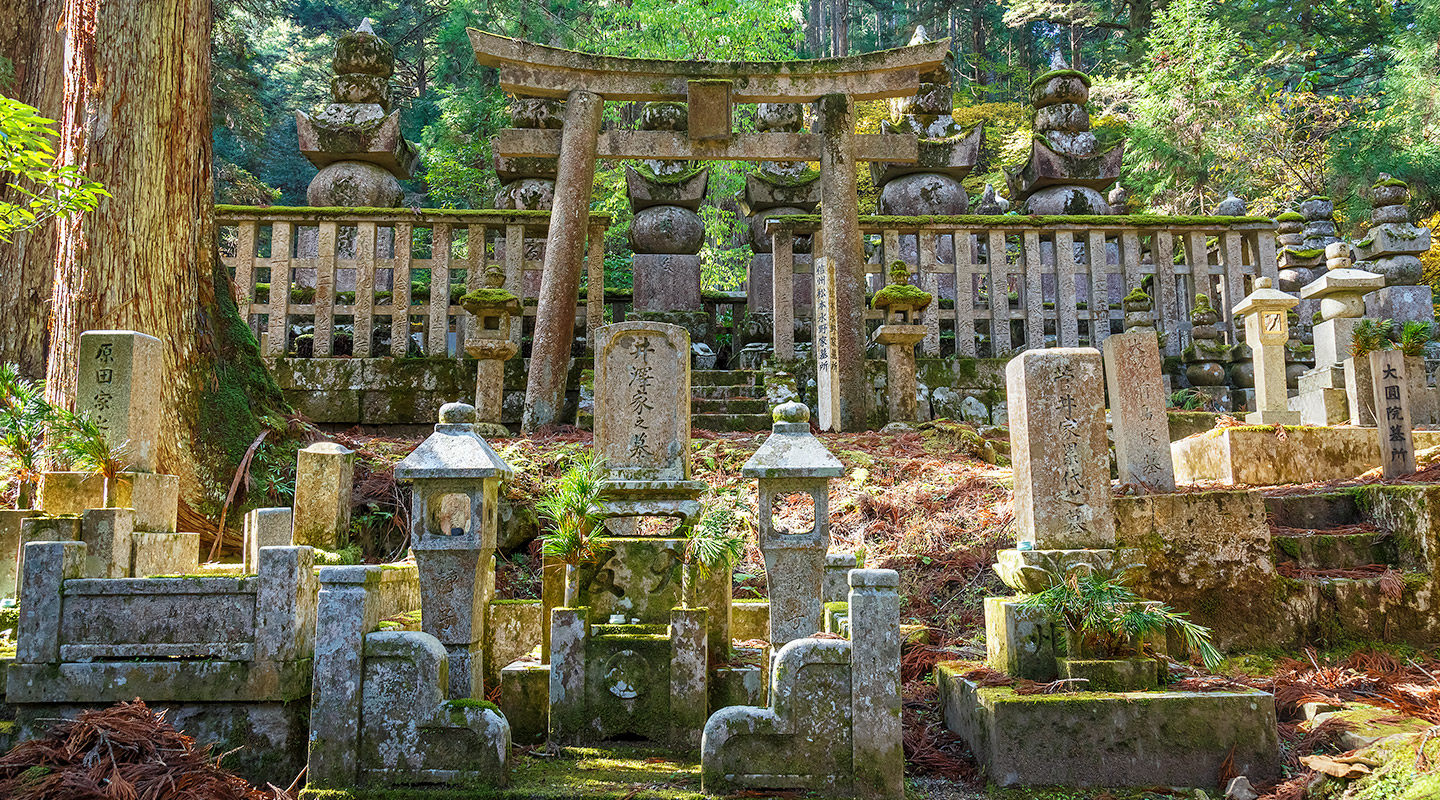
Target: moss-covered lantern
456 479
791 462
901 302
488 339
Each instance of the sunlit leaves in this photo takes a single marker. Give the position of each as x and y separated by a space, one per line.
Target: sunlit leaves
40 189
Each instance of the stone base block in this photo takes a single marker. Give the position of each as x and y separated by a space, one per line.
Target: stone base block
1257 457
1332 340
749 620
697 323
154 497
1273 418
1321 406
1329 377
525 700
1402 304
667 282
164 554
1018 643
1024 570
1105 739
1110 675
738 686
10 521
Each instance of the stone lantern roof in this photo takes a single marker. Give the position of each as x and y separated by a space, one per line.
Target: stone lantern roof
1264 297
791 451
454 450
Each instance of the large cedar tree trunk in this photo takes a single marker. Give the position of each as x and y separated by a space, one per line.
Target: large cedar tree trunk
30 41
136 117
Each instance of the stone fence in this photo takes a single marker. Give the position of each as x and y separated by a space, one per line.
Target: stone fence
223 655
1052 269
346 267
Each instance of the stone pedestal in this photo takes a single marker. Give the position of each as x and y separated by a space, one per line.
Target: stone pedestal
1392 413
1332 340
1266 332
899 342
324 479
266 527
1321 399
667 282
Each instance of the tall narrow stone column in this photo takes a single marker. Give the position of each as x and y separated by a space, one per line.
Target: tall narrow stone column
840 227
564 251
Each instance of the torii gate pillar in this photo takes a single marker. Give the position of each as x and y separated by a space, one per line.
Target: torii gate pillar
843 249
564 252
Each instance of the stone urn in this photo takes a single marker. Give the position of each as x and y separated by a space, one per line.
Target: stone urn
488 339
1204 358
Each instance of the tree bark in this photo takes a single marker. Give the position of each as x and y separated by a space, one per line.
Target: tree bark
136 117
29 40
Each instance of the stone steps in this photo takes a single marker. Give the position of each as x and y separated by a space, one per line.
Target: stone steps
728 405
730 422
722 392
1319 550
725 377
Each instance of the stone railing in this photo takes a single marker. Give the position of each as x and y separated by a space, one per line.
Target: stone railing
352 268
1052 268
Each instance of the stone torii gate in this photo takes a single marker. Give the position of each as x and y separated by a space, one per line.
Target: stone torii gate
710 88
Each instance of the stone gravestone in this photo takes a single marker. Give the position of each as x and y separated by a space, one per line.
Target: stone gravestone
119 385
266 527
1392 413
1137 410
324 478
1059 451
1267 329
642 401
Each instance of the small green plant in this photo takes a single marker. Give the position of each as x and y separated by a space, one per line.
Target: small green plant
573 509
25 420
1370 335
1188 400
1107 618
713 544
1414 335
84 446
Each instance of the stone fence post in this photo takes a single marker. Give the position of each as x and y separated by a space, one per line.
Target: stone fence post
285 604
344 614
879 757
47 566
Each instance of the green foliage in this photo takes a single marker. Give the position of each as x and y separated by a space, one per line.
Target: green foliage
901 294
1369 336
25 420
44 190
1187 400
1098 605
714 542
1414 335
572 507
81 444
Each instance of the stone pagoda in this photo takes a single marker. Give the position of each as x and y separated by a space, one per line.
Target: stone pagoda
1326 395
1067 170
931 185
774 189
1392 249
356 140
528 182
667 231
1302 262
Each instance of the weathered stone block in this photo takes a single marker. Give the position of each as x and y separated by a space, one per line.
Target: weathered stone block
164 553
47 565
107 533
154 497
1109 675
119 378
1018 643
512 630
525 699
266 527
10 520
1257 457
324 477
750 620
410 733
1103 739
1137 411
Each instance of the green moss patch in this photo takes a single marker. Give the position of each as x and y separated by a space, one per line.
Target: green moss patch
1061 73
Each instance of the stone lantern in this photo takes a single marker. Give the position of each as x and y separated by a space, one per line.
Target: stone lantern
1267 330
488 339
900 331
1341 292
456 479
792 460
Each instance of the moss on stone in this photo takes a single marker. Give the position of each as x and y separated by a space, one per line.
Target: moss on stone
812 221
1291 216
902 294
1315 253
1061 73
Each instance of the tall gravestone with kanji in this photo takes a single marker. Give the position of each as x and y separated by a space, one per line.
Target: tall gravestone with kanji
128 523
1137 410
1392 413
612 674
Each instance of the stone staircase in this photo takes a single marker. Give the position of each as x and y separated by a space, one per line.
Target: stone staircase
728 400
